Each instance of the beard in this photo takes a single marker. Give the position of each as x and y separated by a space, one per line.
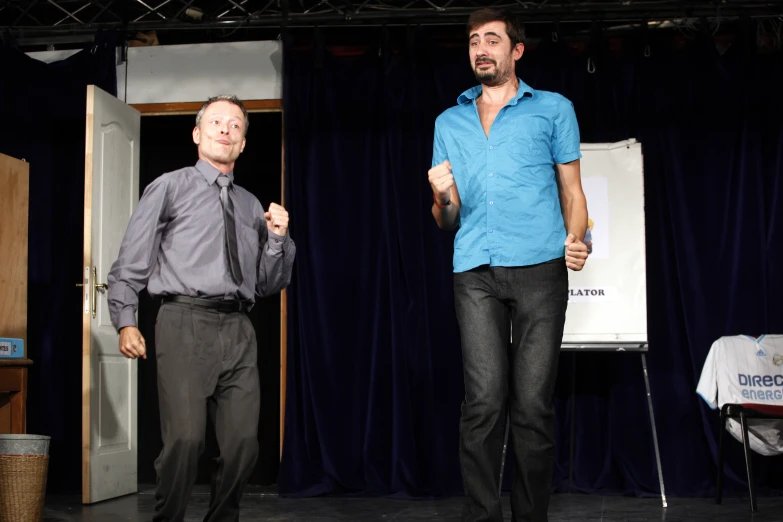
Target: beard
490 77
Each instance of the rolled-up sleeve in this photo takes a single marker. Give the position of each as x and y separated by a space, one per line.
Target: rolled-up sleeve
138 254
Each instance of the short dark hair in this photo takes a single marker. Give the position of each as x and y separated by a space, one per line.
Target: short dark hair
514 28
223 97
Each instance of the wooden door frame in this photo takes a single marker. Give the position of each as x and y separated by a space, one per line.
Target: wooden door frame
174 109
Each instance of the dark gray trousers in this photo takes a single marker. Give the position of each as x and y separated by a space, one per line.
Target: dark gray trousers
519 380
207 365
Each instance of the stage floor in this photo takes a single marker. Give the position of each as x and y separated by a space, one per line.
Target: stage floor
263 504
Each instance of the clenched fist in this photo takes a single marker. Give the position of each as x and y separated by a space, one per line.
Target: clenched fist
276 219
132 343
575 253
441 180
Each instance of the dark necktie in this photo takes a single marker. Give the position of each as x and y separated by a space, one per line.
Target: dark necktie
232 253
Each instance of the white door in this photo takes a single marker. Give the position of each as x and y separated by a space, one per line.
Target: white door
109 380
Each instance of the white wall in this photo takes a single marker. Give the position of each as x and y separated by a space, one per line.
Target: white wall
193 73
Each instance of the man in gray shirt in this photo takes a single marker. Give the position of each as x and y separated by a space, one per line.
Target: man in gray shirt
206 247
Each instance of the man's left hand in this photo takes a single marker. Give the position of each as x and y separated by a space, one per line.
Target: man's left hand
276 219
575 253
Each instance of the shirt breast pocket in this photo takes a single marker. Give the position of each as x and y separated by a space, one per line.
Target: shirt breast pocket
530 139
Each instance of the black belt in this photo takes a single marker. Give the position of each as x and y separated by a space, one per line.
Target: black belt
211 304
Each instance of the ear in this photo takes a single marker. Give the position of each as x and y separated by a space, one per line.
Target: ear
518 51
196 135
244 142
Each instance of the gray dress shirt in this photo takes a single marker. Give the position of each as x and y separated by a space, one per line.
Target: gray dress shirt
174 245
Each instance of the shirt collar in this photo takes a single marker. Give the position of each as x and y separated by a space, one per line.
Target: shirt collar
474 92
210 173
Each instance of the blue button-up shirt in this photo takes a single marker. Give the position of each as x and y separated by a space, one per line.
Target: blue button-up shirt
510 213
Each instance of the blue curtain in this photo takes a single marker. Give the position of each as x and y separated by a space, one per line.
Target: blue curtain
42 107
374 378
373 359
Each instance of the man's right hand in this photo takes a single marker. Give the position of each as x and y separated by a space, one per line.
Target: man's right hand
441 180
132 343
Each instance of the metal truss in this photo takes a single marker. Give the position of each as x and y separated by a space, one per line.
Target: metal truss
73 17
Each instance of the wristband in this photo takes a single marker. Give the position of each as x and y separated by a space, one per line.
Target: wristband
437 203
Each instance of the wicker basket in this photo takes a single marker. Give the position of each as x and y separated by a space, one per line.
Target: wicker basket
22 487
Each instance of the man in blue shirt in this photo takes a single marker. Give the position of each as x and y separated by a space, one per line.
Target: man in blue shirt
505 171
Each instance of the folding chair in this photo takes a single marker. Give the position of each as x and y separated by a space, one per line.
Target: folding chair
743 412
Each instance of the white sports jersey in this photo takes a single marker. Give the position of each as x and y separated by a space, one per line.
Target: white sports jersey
741 369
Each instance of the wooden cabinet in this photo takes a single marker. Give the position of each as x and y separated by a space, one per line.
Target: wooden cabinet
13 395
14 197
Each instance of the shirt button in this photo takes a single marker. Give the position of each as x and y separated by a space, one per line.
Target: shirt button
491 202
490 174
490 147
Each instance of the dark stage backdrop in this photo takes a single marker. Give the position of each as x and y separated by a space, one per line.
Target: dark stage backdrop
166 145
374 370
43 109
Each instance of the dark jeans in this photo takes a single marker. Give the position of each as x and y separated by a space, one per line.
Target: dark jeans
206 366
532 300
